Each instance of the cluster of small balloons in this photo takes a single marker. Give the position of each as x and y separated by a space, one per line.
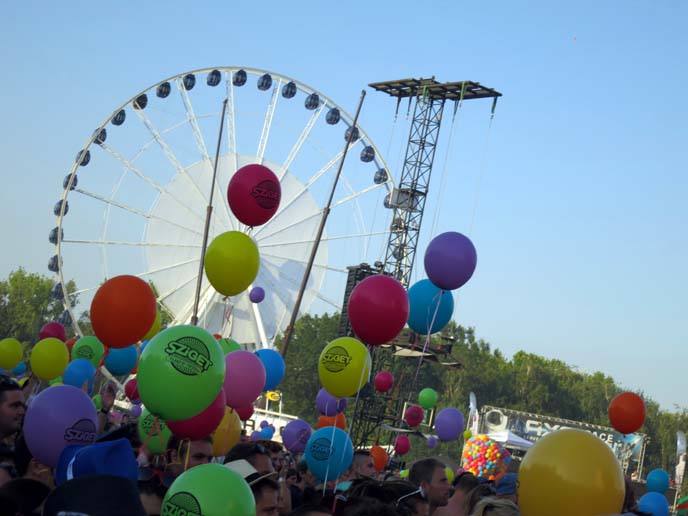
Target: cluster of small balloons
484 457
267 431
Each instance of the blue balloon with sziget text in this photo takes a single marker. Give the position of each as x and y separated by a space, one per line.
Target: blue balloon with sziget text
329 453
425 316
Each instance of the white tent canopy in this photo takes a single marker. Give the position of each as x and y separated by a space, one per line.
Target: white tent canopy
510 439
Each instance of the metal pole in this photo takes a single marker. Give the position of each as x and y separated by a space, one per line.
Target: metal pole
321 228
208 214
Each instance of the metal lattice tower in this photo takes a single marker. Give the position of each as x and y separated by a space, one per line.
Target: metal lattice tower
374 410
408 200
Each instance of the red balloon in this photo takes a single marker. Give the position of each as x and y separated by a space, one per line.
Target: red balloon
414 416
53 330
70 344
402 445
122 311
254 194
131 389
379 456
383 381
378 309
244 413
339 421
627 412
203 424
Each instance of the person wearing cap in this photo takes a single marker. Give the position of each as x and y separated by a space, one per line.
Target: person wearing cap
506 487
265 489
104 458
12 409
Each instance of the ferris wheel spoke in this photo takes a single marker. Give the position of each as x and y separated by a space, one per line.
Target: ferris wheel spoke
167 267
318 265
267 124
293 224
124 243
326 239
305 133
130 209
176 289
355 195
160 189
231 122
166 149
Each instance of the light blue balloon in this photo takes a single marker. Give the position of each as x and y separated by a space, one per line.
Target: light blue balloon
78 371
121 361
658 481
329 453
274 367
654 503
424 297
20 368
267 433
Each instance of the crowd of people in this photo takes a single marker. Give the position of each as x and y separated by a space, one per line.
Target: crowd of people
117 476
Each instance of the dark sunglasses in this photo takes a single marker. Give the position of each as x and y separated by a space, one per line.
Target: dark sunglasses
417 492
6 381
149 474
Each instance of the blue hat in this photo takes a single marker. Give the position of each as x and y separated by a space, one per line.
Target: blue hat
106 458
507 484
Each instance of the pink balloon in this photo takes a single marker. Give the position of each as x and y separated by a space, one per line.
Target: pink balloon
383 381
53 330
131 389
378 309
244 379
254 194
203 424
244 413
414 416
402 445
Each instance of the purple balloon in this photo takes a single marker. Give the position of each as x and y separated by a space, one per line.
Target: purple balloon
449 424
58 417
256 436
136 410
328 405
295 435
432 441
450 260
264 423
257 295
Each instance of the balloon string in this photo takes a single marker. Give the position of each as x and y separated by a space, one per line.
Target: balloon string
150 434
427 337
188 452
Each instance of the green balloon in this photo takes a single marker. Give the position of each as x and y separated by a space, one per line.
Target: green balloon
154 438
180 373
427 398
229 345
90 348
55 381
196 492
97 401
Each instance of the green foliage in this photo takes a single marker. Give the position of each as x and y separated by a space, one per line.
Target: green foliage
526 382
26 305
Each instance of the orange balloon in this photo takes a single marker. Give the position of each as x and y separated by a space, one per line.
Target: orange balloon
70 344
339 421
217 336
379 456
122 311
627 412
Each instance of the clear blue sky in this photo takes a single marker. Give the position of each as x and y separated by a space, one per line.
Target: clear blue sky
581 221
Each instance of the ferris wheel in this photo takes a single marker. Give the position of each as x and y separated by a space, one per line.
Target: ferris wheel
135 199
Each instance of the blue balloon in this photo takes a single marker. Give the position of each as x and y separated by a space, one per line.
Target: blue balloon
329 453
658 481
143 346
121 361
274 367
424 297
20 368
654 503
78 371
267 433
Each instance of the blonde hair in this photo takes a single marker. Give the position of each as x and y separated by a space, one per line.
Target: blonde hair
492 506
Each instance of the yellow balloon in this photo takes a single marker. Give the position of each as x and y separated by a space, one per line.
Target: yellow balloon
10 353
155 328
344 367
467 434
450 474
49 358
231 262
570 473
227 433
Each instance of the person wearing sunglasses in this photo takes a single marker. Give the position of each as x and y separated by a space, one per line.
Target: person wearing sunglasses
12 409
